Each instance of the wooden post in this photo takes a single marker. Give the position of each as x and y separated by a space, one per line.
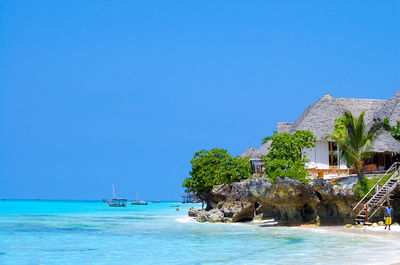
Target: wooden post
366 212
358 208
384 160
338 158
387 197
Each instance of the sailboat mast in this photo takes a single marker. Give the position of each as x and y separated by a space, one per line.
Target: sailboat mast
114 196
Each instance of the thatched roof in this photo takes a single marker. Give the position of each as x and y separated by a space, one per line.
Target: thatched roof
261 152
284 126
391 109
357 105
257 154
386 143
248 152
321 115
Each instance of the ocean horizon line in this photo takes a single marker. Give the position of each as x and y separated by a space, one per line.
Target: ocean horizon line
75 200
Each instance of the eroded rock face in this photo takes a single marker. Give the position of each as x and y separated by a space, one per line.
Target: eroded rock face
213 215
237 211
193 212
288 201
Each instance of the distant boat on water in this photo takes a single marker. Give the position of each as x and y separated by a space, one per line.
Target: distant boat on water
139 202
117 202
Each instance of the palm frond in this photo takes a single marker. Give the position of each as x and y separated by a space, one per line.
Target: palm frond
356 145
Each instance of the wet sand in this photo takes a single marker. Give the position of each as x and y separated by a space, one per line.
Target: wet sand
379 231
390 239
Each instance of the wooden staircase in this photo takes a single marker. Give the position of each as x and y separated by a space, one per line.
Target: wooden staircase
381 195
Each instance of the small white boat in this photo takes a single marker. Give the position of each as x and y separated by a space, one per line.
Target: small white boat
139 202
116 202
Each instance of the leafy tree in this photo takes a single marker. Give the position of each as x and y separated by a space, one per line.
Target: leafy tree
286 156
340 130
356 142
393 130
214 167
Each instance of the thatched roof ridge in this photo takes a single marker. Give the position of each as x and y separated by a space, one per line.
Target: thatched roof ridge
321 115
282 127
391 109
386 143
311 107
248 152
357 105
261 152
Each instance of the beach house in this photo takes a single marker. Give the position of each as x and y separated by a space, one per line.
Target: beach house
320 119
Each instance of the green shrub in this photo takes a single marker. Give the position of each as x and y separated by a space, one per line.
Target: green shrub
364 185
393 130
285 157
214 167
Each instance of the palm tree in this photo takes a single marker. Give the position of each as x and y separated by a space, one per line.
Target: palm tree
356 140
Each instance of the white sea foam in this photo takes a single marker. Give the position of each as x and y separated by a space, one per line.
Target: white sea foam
186 220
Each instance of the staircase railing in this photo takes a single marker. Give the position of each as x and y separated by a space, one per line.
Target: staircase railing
394 167
384 198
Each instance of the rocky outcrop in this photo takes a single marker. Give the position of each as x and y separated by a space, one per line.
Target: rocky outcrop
193 212
214 215
288 201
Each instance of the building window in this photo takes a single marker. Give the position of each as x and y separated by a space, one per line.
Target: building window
333 154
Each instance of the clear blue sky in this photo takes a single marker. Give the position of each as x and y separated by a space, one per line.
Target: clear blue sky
94 93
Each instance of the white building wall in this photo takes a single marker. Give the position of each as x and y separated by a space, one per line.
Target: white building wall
343 164
310 152
319 156
322 154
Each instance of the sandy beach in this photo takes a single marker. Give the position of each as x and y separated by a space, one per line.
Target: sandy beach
390 239
378 231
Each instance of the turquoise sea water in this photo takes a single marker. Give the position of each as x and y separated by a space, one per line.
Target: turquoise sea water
85 232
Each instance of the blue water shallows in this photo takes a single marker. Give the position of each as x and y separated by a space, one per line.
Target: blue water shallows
84 232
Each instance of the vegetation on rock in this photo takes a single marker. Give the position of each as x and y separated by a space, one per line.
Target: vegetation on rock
354 139
286 157
214 167
364 185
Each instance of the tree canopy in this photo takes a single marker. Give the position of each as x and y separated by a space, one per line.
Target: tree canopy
393 130
286 156
214 167
355 141
340 131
